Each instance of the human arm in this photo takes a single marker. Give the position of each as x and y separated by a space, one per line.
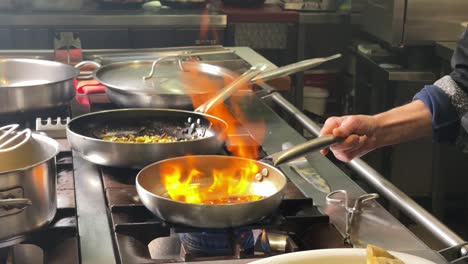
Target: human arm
364 133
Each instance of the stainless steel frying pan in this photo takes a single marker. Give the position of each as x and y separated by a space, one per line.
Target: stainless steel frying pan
268 182
170 83
29 84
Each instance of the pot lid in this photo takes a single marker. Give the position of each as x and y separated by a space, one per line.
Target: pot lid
168 79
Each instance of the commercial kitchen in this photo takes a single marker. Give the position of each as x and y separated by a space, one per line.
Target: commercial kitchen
188 131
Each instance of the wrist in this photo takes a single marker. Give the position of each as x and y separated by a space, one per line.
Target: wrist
402 124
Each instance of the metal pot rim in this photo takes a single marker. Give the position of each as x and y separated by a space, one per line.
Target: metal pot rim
42 140
144 109
46 62
225 71
208 205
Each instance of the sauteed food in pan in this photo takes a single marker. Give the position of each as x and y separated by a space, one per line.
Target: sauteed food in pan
151 132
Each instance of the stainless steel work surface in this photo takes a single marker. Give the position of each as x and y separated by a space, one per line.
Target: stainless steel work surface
404 22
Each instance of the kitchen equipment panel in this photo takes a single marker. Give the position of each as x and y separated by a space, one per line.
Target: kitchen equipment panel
408 23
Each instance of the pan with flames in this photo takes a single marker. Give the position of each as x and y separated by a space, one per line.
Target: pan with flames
211 191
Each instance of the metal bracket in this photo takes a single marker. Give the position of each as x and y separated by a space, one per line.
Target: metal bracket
456 254
67 46
352 212
56 128
12 202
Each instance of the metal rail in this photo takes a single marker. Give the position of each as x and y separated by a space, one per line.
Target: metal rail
93 225
383 186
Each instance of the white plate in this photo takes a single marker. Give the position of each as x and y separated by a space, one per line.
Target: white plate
334 256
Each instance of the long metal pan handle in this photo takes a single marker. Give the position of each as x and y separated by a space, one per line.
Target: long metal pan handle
292 68
179 62
203 53
302 149
256 74
19 203
231 88
83 63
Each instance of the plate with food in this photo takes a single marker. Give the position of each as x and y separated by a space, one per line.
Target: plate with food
371 255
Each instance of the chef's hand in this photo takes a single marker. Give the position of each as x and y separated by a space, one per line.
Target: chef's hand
358 131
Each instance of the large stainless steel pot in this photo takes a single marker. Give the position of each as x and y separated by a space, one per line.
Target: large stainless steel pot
270 185
170 83
28 84
27 188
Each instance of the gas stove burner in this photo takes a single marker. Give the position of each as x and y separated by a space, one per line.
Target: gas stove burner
206 244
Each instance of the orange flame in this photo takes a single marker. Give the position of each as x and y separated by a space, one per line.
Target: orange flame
187 183
204 30
234 116
207 184
204 25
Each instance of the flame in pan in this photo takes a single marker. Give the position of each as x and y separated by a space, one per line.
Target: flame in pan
234 182
204 31
240 126
210 185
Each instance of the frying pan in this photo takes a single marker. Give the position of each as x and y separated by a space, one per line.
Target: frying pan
211 130
154 195
30 84
170 83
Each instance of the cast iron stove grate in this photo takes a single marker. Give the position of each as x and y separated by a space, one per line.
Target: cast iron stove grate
136 229
140 237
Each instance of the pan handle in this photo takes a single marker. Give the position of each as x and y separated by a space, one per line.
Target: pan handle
231 88
179 59
292 68
302 149
256 74
83 63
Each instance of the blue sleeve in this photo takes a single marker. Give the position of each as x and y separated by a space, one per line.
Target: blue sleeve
445 120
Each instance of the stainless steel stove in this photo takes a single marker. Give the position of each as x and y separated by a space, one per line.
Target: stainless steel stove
139 237
101 220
